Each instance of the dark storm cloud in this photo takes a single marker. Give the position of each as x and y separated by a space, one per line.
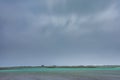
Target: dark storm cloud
56 31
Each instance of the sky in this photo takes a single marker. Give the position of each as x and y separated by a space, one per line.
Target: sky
59 32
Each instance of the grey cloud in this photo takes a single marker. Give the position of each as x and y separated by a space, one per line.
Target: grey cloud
59 28
51 29
80 6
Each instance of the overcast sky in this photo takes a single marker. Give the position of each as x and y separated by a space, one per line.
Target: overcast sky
59 32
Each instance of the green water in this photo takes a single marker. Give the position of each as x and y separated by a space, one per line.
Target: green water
61 74
55 69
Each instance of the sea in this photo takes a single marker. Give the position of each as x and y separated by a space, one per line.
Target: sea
61 74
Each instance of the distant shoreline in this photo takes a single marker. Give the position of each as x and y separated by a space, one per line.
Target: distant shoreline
55 66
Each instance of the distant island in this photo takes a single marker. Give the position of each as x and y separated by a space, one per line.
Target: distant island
55 66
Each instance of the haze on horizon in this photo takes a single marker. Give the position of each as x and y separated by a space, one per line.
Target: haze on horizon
59 32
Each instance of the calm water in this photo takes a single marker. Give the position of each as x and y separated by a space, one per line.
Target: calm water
61 74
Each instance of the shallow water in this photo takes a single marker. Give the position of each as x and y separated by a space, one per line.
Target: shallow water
61 74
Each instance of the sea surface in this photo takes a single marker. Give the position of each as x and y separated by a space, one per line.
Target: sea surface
61 74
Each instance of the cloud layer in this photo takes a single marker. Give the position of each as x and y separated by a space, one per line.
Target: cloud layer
59 31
